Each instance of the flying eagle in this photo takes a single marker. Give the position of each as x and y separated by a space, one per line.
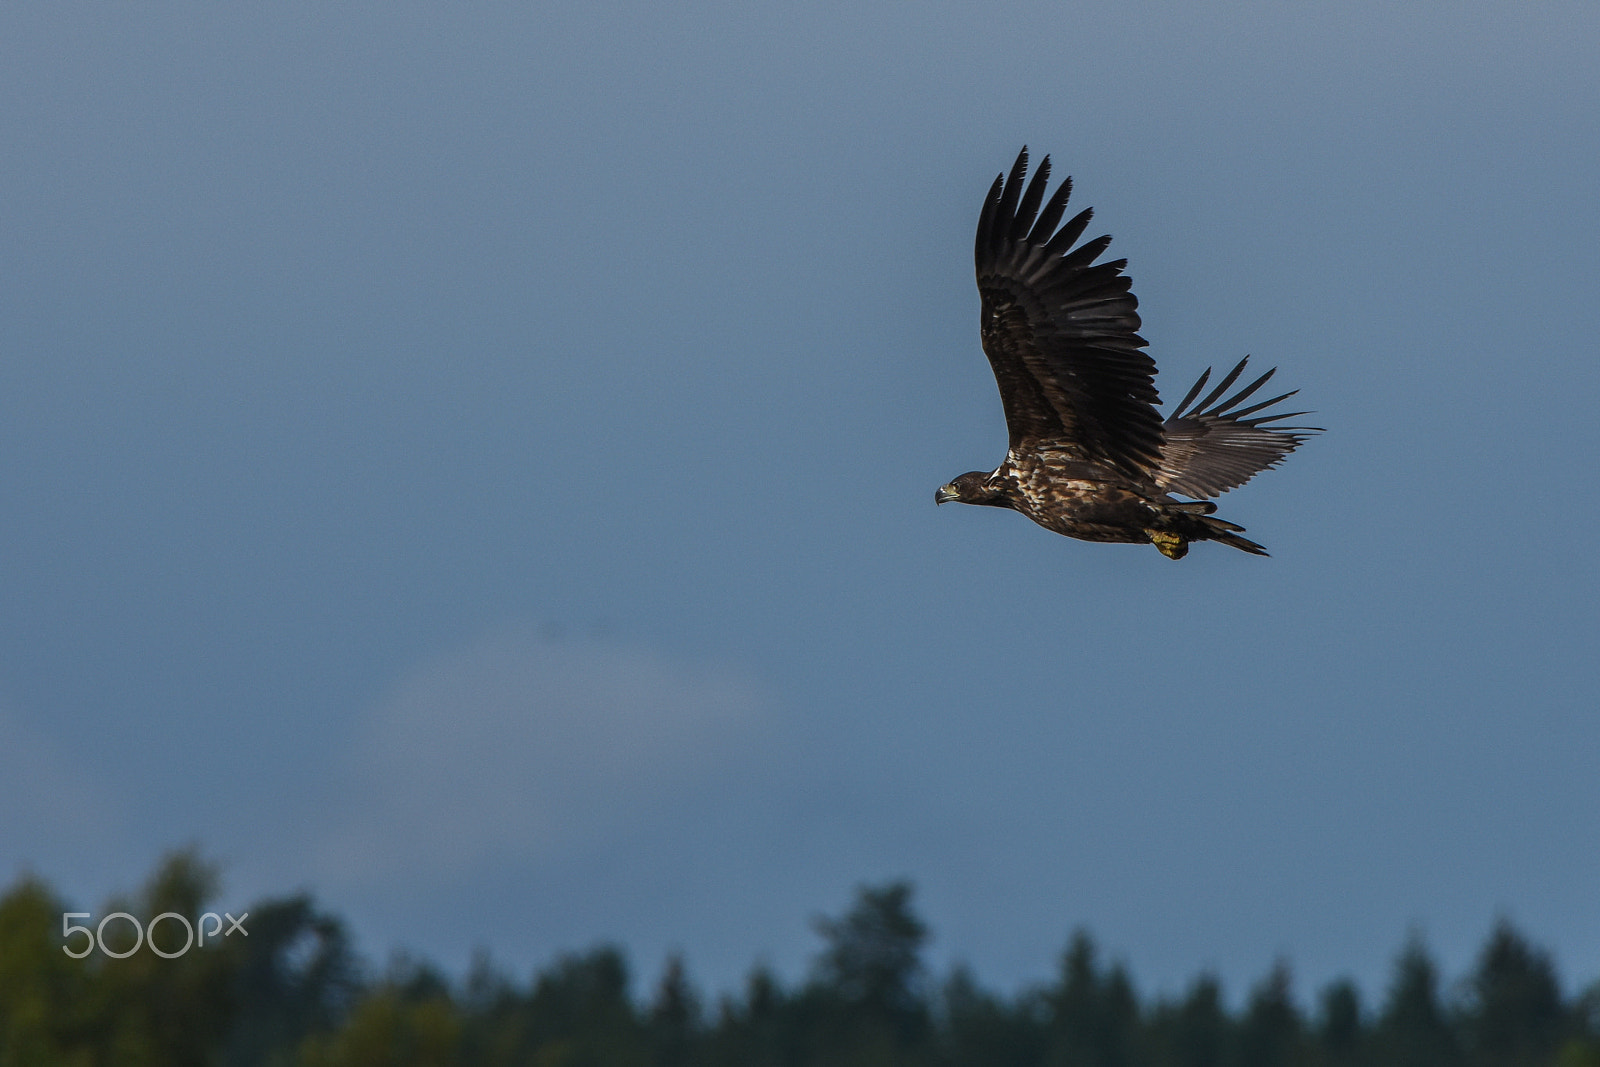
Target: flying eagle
1089 455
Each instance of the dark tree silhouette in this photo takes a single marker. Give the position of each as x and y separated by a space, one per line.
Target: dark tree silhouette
874 954
1270 1033
1095 1016
1193 1033
1514 1009
1340 1026
982 1030
1413 1028
294 975
674 1016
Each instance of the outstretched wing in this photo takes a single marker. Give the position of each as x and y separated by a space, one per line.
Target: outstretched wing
1210 449
1062 331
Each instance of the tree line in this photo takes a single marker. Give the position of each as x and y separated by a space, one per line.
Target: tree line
292 993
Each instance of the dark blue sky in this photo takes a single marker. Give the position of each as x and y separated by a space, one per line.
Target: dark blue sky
476 462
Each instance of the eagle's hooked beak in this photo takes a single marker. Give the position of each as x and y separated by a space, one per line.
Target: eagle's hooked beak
946 494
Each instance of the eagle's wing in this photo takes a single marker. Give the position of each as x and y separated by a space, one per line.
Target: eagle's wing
1210 449
1062 332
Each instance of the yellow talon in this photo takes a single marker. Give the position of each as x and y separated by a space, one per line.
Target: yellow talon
1171 545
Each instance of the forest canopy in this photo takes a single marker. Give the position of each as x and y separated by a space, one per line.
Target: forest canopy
292 991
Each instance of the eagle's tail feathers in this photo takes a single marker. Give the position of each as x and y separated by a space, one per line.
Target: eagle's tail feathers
1227 533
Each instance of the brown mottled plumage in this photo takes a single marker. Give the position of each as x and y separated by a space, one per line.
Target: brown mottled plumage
1089 455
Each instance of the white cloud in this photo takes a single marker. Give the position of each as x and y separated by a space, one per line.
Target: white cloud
516 745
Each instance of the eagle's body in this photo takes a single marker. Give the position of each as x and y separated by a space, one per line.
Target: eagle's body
1089 455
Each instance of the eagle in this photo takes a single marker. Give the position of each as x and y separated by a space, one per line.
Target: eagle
1089 455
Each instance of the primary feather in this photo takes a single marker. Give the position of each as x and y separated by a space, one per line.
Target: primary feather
1209 449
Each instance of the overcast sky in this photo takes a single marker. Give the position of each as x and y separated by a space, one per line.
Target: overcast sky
476 462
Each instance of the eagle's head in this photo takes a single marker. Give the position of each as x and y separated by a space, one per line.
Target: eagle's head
974 487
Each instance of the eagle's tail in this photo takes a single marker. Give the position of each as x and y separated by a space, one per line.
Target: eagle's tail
1224 532
1193 522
